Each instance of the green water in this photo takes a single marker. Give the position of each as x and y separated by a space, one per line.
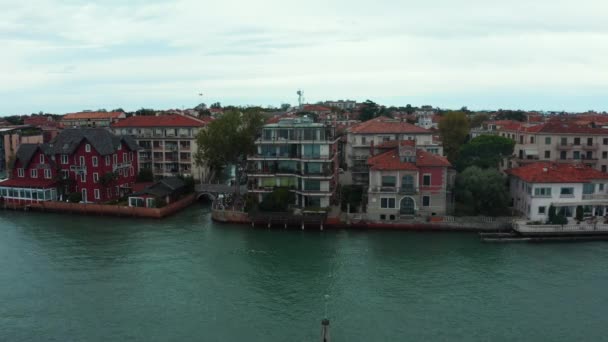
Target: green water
74 278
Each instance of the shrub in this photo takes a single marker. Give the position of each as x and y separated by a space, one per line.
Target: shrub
75 197
278 200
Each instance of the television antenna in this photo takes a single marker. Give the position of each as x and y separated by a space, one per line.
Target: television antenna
300 93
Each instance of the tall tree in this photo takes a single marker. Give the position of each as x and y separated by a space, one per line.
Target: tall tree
228 141
216 105
370 110
454 129
485 151
482 191
479 119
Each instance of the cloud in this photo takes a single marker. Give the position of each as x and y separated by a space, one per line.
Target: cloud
139 53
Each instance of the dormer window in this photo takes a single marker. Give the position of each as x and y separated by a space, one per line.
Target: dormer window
34 173
20 172
87 147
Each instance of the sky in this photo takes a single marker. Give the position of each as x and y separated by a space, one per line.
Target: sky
72 55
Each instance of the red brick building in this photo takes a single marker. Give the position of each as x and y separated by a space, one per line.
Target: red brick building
93 162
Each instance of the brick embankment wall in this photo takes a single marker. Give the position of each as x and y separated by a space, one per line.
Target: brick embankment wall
109 210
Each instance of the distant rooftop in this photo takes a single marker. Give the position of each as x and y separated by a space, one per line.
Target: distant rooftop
295 122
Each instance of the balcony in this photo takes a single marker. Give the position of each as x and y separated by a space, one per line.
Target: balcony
578 161
385 189
408 190
592 147
358 157
595 196
171 147
565 146
360 169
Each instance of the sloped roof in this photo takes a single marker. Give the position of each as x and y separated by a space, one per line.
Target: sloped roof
26 152
555 127
386 125
163 187
546 172
390 161
173 120
92 115
101 139
40 183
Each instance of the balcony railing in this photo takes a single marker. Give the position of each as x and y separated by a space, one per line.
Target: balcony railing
561 146
595 196
592 147
578 160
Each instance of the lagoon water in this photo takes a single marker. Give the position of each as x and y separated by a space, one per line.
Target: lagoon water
185 278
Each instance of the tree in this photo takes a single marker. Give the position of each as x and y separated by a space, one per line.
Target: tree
517 115
370 110
118 110
353 195
145 175
285 106
555 218
579 213
479 119
454 129
228 141
216 105
485 151
278 200
482 191
145 112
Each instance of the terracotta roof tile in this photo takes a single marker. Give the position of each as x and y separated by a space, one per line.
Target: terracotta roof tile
546 172
390 161
386 125
92 115
173 120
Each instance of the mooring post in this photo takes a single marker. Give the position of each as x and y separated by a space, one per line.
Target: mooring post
321 226
302 225
325 330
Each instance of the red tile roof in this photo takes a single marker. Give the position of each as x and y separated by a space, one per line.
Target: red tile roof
92 115
546 172
386 125
390 161
173 120
28 183
555 127
315 108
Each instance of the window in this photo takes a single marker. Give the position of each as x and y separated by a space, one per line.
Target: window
312 185
107 160
387 203
87 147
389 181
64 159
83 178
97 195
531 140
94 161
20 172
115 158
65 174
42 159
563 155
363 141
542 192
589 141
604 155
547 140
95 177
603 168
564 141
566 192
34 173
605 141
588 188
120 147
600 187
576 155
577 141
426 180
383 217
124 157
81 160
47 174
547 154
426 201
542 210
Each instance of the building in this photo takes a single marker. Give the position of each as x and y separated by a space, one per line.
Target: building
91 119
50 128
361 140
159 194
33 176
167 143
342 104
405 182
559 142
536 187
93 162
298 154
11 137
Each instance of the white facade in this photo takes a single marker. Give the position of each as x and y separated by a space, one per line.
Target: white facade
534 199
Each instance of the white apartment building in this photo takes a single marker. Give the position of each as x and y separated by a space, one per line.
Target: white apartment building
168 143
536 187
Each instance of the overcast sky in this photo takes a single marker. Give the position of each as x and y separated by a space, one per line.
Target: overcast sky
70 55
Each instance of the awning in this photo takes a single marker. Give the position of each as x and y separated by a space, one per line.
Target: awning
531 151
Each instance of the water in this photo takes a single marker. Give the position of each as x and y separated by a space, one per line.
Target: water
74 278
